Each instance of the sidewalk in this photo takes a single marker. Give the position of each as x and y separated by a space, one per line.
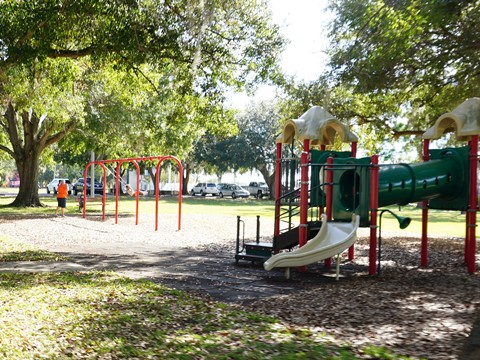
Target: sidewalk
217 277
40 266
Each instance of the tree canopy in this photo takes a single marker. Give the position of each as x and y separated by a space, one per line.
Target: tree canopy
252 148
141 69
238 38
409 59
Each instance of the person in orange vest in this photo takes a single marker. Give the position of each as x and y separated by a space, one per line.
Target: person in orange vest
62 194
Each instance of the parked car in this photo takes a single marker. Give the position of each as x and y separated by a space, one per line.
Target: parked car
204 189
234 191
78 186
221 185
52 186
258 189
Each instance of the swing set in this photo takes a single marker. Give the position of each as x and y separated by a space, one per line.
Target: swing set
104 165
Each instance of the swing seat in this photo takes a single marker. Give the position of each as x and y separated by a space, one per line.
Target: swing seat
81 203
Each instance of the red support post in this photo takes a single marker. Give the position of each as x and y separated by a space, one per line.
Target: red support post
92 187
104 195
321 209
329 198
180 187
351 249
471 216
424 241
119 163
157 191
304 162
354 149
117 188
138 190
373 214
329 188
84 211
278 187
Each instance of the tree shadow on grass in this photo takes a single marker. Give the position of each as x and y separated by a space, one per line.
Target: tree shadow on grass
99 315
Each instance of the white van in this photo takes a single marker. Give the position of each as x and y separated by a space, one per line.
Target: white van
53 186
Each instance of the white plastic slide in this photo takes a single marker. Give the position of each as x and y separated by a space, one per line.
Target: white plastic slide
332 239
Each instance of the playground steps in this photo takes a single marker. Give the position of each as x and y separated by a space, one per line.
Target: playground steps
261 251
255 252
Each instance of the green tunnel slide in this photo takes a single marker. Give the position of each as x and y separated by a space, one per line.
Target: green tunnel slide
443 180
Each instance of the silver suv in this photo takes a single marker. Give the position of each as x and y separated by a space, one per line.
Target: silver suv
204 189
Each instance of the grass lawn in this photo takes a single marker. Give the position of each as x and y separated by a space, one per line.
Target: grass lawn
12 250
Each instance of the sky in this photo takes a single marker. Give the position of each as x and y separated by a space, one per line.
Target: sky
305 24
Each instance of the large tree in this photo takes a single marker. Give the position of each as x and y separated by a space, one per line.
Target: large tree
403 60
259 126
201 46
253 148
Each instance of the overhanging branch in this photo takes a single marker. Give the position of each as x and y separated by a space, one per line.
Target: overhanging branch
71 54
61 134
398 134
7 150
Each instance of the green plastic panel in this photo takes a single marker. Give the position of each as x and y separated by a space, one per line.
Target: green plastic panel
441 180
458 198
351 189
317 196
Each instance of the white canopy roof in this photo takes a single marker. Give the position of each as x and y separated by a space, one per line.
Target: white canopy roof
464 120
317 125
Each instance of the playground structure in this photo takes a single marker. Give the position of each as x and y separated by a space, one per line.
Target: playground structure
119 162
339 193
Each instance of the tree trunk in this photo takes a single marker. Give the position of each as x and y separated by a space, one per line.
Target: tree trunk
28 139
152 176
186 177
28 191
269 180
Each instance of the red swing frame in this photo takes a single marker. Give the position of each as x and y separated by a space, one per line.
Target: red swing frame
134 161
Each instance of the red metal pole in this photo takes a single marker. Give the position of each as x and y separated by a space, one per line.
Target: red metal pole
302 233
84 212
278 187
303 199
321 208
328 198
354 149
180 188
180 182
117 188
92 187
104 195
329 188
351 249
157 191
472 208
373 214
424 241
137 191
